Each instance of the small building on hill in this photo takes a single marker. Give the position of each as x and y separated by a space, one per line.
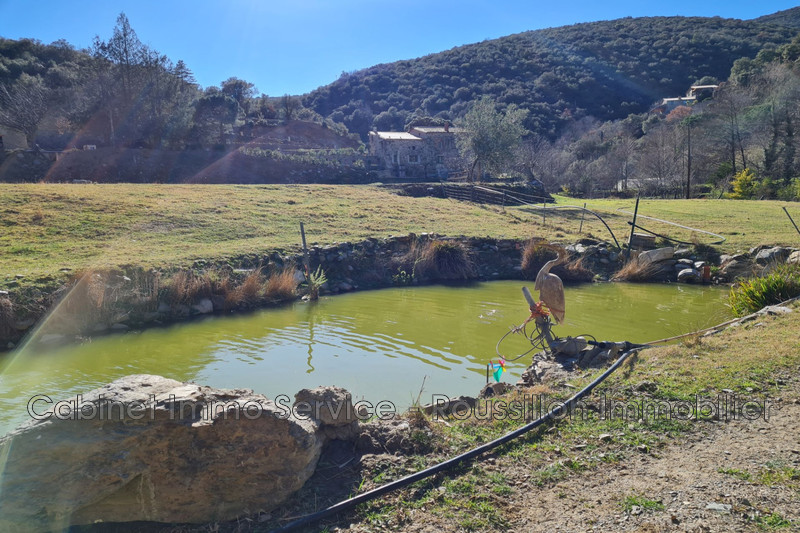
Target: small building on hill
423 152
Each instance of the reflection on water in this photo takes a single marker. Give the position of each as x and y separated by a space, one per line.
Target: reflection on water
378 344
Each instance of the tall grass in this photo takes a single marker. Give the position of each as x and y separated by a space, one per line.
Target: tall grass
752 294
633 270
186 287
443 260
280 286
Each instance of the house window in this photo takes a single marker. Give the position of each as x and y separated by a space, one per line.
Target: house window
413 158
394 158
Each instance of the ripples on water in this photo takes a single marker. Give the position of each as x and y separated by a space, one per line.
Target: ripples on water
380 345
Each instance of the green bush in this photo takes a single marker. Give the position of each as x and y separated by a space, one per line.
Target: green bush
750 295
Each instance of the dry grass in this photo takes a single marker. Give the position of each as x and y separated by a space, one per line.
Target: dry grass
443 260
185 287
576 271
633 270
280 286
534 256
248 293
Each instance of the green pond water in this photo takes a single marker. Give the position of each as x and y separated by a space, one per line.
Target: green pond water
377 344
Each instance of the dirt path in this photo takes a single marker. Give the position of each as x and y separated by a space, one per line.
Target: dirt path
724 477
686 477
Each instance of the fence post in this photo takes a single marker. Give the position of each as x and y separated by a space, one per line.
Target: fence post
544 213
583 214
305 248
633 225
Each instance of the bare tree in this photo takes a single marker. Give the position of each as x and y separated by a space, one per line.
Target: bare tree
24 105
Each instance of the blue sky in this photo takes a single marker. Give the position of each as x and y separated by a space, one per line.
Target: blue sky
295 46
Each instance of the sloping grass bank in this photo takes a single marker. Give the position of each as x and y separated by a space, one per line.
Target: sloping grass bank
755 362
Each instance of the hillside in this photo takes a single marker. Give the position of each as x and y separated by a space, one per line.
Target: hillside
605 69
788 17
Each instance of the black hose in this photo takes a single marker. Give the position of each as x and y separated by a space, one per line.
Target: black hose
450 463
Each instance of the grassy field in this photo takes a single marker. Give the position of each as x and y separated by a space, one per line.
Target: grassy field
49 227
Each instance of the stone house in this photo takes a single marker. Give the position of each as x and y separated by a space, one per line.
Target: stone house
423 152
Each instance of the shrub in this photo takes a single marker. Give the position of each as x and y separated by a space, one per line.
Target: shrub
316 280
280 286
443 260
745 184
752 294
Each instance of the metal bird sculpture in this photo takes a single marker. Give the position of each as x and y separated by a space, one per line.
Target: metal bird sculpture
550 287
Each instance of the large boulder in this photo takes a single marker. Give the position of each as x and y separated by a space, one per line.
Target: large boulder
150 448
654 256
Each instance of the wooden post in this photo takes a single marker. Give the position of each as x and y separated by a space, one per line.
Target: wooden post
583 214
633 225
544 213
305 248
791 219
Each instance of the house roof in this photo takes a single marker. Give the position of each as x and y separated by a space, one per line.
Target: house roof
396 136
435 129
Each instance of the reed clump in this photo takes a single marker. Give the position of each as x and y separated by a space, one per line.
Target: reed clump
443 260
187 287
635 270
752 294
281 286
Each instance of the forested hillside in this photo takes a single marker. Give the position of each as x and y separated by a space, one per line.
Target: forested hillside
603 69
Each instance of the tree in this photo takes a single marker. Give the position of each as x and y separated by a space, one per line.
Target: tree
23 106
240 90
215 112
488 138
289 107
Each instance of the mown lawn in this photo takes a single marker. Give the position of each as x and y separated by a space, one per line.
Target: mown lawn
49 227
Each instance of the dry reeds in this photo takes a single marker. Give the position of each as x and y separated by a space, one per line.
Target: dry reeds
633 270
576 271
534 256
281 285
248 293
443 260
186 287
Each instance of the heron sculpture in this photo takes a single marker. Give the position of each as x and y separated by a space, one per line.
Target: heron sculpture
550 287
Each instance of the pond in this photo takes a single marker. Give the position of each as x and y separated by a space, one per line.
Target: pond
379 345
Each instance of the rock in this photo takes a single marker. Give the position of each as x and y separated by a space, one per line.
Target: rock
448 406
344 286
654 256
299 277
203 307
794 258
183 456
606 437
332 406
698 265
736 268
51 339
495 389
776 254
120 327
689 275
163 308
3 293
22 325
719 507
776 310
